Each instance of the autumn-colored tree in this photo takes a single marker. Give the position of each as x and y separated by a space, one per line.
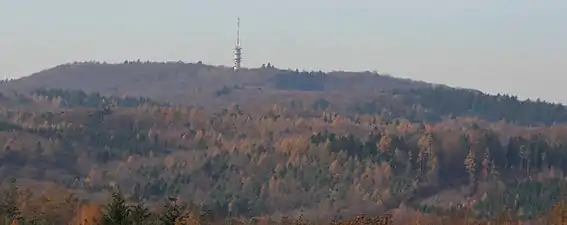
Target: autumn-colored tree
88 214
558 214
506 218
470 165
428 145
386 143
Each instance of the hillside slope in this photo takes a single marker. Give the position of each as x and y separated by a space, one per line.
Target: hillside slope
273 161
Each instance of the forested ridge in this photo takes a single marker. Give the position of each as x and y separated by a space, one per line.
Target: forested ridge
426 154
350 93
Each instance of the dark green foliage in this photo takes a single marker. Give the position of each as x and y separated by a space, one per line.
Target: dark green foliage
77 98
7 126
434 104
8 204
302 81
226 90
321 104
139 214
528 199
400 185
172 212
117 212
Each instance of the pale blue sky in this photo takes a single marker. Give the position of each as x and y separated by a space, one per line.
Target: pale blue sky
511 46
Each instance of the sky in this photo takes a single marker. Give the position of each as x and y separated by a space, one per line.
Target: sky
505 46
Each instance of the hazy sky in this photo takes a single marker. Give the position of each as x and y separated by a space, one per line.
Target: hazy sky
511 46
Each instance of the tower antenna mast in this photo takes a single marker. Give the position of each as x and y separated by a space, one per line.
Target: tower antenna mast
237 48
238 31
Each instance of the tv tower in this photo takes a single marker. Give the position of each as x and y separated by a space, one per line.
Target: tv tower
237 48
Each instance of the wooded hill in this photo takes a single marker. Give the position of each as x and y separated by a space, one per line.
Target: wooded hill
325 153
349 93
203 85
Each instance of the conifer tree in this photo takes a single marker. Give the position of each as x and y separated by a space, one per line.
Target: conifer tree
8 204
172 212
116 212
139 214
486 167
524 155
409 165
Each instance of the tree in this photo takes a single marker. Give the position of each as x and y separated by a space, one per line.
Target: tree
139 214
8 204
116 212
557 214
409 164
426 144
88 215
486 164
172 212
470 165
525 158
432 168
385 144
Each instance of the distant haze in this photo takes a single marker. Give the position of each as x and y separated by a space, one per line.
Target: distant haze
511 46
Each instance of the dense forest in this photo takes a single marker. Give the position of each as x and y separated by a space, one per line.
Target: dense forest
421 154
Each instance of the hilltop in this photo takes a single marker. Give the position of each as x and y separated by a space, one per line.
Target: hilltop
196 83
349 93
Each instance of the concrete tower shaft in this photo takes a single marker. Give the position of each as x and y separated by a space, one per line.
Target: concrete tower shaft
237 48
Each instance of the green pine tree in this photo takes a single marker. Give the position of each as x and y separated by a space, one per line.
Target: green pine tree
116 212
172 212
139 214
8 204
